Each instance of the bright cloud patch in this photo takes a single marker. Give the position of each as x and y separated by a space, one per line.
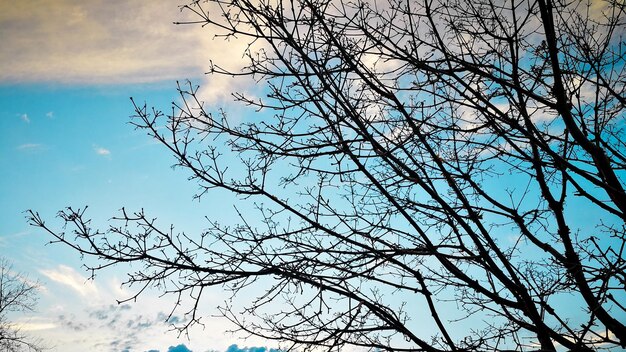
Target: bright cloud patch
102 151
25 118
102 41
72 279
34 326
116 42
94 41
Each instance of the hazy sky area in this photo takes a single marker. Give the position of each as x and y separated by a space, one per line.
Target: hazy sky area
67 70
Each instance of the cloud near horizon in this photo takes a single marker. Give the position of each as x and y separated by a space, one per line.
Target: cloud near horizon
235 348
231 348
179 348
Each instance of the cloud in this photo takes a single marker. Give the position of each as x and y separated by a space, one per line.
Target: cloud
34 326
8 238
235 348
116 42
97 323
50 114
70 322
29 147
175 320
25 118
102 151
69 277
97 41
102 41
113 316
126 323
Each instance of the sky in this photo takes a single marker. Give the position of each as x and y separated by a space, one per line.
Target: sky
67 71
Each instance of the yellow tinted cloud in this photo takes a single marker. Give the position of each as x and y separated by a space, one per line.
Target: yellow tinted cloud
101 41
30 326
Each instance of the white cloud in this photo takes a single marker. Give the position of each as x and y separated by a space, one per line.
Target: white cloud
69 277
102 151
50 114
29 147
112 42
34 326
94 42
25 118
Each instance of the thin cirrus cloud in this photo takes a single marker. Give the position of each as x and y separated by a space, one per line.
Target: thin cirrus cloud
106 42
29 147
69 277
34 325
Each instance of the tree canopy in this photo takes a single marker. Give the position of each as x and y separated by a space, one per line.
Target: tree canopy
427 176
17 294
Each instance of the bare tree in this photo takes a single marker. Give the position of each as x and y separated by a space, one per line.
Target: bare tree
17 294
428 175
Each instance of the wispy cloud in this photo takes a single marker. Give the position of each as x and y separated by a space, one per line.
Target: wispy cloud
50 114
128 325
69 277
29 147
25 118
70 322
34 326
96 323
6 239
101 151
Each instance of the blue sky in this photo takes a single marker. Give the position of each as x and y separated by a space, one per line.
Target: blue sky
68 69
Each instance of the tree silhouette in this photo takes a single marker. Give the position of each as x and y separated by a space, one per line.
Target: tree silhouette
17 294
428 175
